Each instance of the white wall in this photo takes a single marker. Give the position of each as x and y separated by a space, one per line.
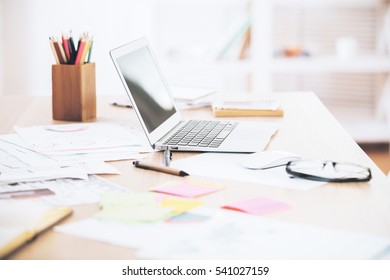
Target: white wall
1 48
27 25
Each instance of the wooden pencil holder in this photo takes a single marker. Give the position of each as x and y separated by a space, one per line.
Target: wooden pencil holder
74 92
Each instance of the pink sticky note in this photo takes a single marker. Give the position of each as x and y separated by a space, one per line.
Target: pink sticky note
189 190
258 206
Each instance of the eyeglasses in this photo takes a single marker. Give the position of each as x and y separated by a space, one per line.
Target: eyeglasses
328 171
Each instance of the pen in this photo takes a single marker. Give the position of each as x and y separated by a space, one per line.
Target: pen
121 105
159 168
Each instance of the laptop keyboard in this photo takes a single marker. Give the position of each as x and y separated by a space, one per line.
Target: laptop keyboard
202 134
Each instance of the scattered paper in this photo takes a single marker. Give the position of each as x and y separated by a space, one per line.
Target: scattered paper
258 206
189 190
81 138
231 235
68 192
187 218
19 163
227 166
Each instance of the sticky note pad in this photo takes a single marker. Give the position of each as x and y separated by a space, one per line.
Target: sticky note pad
138 214
132 208
258 206
189 190
180 205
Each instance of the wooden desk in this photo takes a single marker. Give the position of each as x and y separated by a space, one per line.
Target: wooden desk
307 129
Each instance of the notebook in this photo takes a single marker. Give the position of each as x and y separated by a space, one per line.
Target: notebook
160 118
22 221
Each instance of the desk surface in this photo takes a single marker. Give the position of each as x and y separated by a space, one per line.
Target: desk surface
307 129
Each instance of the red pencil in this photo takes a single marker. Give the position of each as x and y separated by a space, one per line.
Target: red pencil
80 51
65 43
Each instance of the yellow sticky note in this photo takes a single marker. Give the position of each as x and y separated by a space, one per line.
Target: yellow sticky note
180 205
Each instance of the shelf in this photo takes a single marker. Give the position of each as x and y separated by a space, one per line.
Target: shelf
358 64
329 63
329 3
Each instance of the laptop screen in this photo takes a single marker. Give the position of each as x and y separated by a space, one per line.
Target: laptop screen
146 87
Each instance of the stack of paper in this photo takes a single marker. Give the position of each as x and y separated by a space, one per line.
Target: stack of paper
191 97
67 151
56 161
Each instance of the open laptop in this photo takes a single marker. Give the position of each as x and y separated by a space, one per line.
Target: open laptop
160 118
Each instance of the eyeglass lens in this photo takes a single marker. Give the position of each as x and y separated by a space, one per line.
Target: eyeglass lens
329 170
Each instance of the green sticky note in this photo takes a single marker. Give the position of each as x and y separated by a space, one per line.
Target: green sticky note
131 214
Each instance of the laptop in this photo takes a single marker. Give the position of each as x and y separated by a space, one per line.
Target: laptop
160 118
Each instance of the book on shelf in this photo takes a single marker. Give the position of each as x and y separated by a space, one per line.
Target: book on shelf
234 42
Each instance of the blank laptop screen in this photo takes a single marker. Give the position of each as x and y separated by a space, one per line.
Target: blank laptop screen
146 87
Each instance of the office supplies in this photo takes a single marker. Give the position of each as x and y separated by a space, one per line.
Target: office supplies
51 144
180 205
19 162
227 166
54 51
186 218
268 159
58 51
25 193
121 105
191 95
82 137
90 50
257 206
72 49
247 109
329 139
189 190
67 192
65 43
132 208
65 52
74 91
160 118
231 235
159 168
27 221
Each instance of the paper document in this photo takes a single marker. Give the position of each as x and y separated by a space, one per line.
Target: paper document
81 138
191 94
68 192
190 189
230 235
227 166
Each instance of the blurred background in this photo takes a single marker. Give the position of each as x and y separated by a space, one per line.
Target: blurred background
340 49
